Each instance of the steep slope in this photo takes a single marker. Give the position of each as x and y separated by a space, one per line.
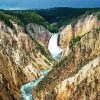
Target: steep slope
79 70
85 24
39 33
62 16
21 60
34 24
24 54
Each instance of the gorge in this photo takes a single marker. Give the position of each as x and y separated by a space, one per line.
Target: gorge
55 50
41 60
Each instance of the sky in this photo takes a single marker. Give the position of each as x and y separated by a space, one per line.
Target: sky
28 4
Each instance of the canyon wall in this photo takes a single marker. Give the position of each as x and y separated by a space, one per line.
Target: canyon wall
21 60
76 76
39 33
82 26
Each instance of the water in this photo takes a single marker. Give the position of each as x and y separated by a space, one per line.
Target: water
26 89
54 49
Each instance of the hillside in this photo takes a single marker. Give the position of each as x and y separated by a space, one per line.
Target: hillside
62 16
76 76
84 24
32 23
53 19
26 66
24 17
22 57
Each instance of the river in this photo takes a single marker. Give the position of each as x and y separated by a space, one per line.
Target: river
26 89
55 50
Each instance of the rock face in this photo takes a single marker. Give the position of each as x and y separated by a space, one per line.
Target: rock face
21 60
76 77
39 33
84 25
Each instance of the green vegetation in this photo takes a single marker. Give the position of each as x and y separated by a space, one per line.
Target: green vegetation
42 49
47 61
74 41
7 19
63 16
25 17
34 64
30 16
98 14
52 28
52 19
98 29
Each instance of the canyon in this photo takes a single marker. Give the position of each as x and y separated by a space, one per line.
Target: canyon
76 76
21 60
36 64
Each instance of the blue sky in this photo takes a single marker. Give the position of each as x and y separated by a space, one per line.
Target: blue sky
26 4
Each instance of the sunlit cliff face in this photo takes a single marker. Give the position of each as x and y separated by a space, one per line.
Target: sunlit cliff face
21 60
83 26
76 77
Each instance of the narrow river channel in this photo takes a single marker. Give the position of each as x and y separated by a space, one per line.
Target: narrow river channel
55 50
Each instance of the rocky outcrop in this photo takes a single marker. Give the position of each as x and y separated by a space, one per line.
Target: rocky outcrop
83 85
77 75
39 33
21 60
83 25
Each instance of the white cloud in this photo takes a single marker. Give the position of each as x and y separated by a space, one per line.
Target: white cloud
15 8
